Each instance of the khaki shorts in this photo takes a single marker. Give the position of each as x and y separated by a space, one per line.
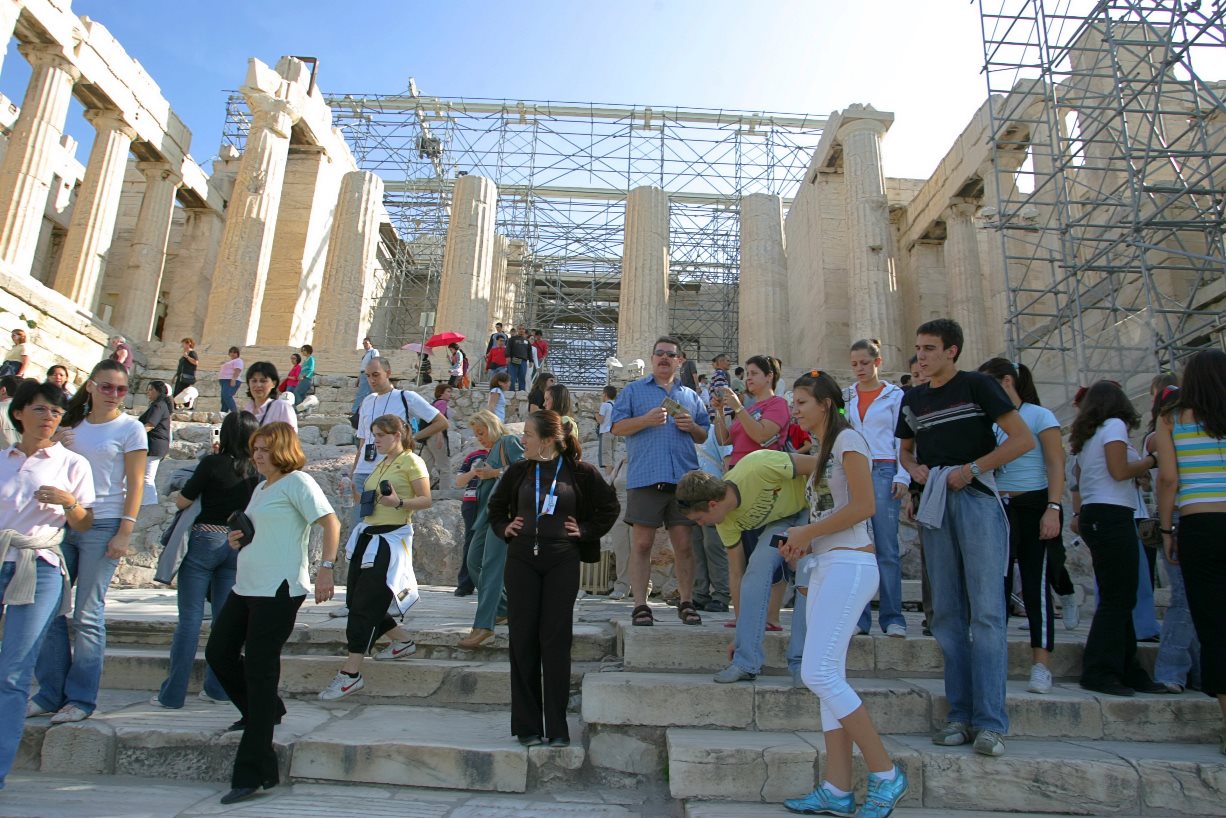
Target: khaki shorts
653 507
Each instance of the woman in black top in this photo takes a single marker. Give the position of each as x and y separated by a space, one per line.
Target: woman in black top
185 374
536 396
223 484
550 508
157 427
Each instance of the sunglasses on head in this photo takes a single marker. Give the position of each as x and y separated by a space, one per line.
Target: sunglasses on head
111 388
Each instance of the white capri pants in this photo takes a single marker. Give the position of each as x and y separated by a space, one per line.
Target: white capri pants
841 584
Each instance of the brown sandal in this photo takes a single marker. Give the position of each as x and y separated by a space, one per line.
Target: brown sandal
688 613
642 616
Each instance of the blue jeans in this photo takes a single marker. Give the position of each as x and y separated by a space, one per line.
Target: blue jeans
209 567
967 557
71 673
519 376
885 543
25 628
227 395
1178 659
749 655
363 391
1144 615
302 390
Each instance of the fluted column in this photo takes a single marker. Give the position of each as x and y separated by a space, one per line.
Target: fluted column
643 300
189 274
763 327
872 292
134 313
500 307
344 314
468 260
246 244
94 212
966 296
997 188
25 175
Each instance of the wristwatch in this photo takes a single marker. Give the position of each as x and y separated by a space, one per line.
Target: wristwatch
1055 506
401 503
975 470
327 564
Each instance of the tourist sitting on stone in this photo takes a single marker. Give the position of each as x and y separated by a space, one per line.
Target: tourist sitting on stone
57 374
185 371
263 403
500 384
18 358
842 576
758 499
536 396
223 483
95 426
294 377
380 555
306 383
487 553
156 420
552 510
244 647
187 398
43 488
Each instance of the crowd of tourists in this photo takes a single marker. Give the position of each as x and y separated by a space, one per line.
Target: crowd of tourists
765 491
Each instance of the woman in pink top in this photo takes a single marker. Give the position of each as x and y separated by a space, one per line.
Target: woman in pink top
759 425
229 376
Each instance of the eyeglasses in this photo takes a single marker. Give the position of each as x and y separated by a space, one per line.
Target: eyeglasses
51 411
118 389
661 353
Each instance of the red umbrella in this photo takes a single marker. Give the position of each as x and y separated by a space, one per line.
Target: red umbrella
442 339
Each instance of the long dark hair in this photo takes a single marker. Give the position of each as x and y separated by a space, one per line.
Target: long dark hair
80 404
1163 386
1023 381
1204 391
235 441
542 379
163 394
1103 401
822 387
269 370
562 403
550 426
768 367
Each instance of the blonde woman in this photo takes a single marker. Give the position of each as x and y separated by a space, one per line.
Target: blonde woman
17 359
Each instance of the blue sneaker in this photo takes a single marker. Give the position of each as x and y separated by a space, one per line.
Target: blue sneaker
823 802
883 796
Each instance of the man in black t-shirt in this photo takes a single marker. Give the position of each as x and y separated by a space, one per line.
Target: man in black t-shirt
519 353
946 425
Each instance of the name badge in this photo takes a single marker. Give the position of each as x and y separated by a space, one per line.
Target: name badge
549 506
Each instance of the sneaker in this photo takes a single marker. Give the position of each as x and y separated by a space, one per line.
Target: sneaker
33 710
716 606
989 743
897 631
205 697
1040 679
732 674
342 685
861 631
617 593
339 613
823 802
68 714
1071 612
397 650
953 734
157 702
884 795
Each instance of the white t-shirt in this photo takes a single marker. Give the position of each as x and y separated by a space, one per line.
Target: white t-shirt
1096 483
375 406
104 446
606 417
831 494
282 515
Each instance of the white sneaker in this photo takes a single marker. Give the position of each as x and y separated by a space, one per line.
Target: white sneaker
69 713
397 650
617 593
1071 612
339 613
157 702
33 710
1040 679
342 685
897 631
205 697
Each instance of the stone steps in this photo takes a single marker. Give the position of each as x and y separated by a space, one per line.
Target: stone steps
1035 775
697 808
896 705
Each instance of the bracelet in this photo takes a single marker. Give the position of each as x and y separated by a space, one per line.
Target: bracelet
1170 530
132 520
1055 507
68 509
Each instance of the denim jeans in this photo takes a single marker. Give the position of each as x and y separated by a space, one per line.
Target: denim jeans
710 566
885 543
25 627
967 557
519 376
1144 615
209 567
1178 659
69 673
227 395
363 391
755 597
302 390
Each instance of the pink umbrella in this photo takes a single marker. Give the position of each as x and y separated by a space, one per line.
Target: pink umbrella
413 347
442 339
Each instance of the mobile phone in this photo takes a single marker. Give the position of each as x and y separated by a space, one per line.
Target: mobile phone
673 408
216 434
778 540
385 488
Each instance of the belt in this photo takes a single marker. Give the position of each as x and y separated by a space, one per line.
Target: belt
214 529
667 488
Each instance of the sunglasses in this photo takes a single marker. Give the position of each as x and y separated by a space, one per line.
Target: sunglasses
118 389
662 354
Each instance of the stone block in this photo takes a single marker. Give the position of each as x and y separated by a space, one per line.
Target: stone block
896 706
917 656
1177 779
665 700
341 435
746 766
310 435
81 748
625 753
1190 717
1065 712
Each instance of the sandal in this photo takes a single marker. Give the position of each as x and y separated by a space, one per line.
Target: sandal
642 616
688 613
772 628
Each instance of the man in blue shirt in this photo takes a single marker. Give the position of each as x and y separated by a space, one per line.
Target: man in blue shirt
659 450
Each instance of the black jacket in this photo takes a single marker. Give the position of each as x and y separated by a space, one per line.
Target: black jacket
595 502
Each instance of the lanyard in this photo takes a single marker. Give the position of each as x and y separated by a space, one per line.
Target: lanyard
540 507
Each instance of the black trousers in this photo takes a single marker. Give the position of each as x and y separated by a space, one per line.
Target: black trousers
1202 557
1025 512
367 594
244 651
1111 647
468 511
541 593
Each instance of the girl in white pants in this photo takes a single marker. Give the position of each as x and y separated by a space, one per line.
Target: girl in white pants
838 549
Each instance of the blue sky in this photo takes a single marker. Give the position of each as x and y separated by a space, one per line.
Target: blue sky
919 59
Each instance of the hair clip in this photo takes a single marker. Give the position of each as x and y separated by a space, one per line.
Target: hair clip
814 373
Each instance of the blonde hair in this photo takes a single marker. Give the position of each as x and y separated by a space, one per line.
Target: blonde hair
491 423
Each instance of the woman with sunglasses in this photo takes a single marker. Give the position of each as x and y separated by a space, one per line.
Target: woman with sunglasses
116 446
265 402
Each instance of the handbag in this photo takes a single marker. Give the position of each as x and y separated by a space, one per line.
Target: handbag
1150 532
238 521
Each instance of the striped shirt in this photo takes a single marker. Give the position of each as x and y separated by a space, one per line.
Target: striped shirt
1202 465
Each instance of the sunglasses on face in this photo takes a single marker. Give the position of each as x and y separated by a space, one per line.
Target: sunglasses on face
111 388
660 353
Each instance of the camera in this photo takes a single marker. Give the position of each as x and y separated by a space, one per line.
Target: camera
385 488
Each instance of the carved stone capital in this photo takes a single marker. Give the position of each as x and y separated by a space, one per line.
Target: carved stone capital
107 120
271 113
159 172
49 55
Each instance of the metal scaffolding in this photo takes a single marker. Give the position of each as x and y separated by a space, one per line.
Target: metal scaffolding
563 171
1110 177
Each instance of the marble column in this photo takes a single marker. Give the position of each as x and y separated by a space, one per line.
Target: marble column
967 305
94 212
25 175
763 327
873 292
643 300
999 190
468 262
500 307
189 274
344 316
135 312
246 244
